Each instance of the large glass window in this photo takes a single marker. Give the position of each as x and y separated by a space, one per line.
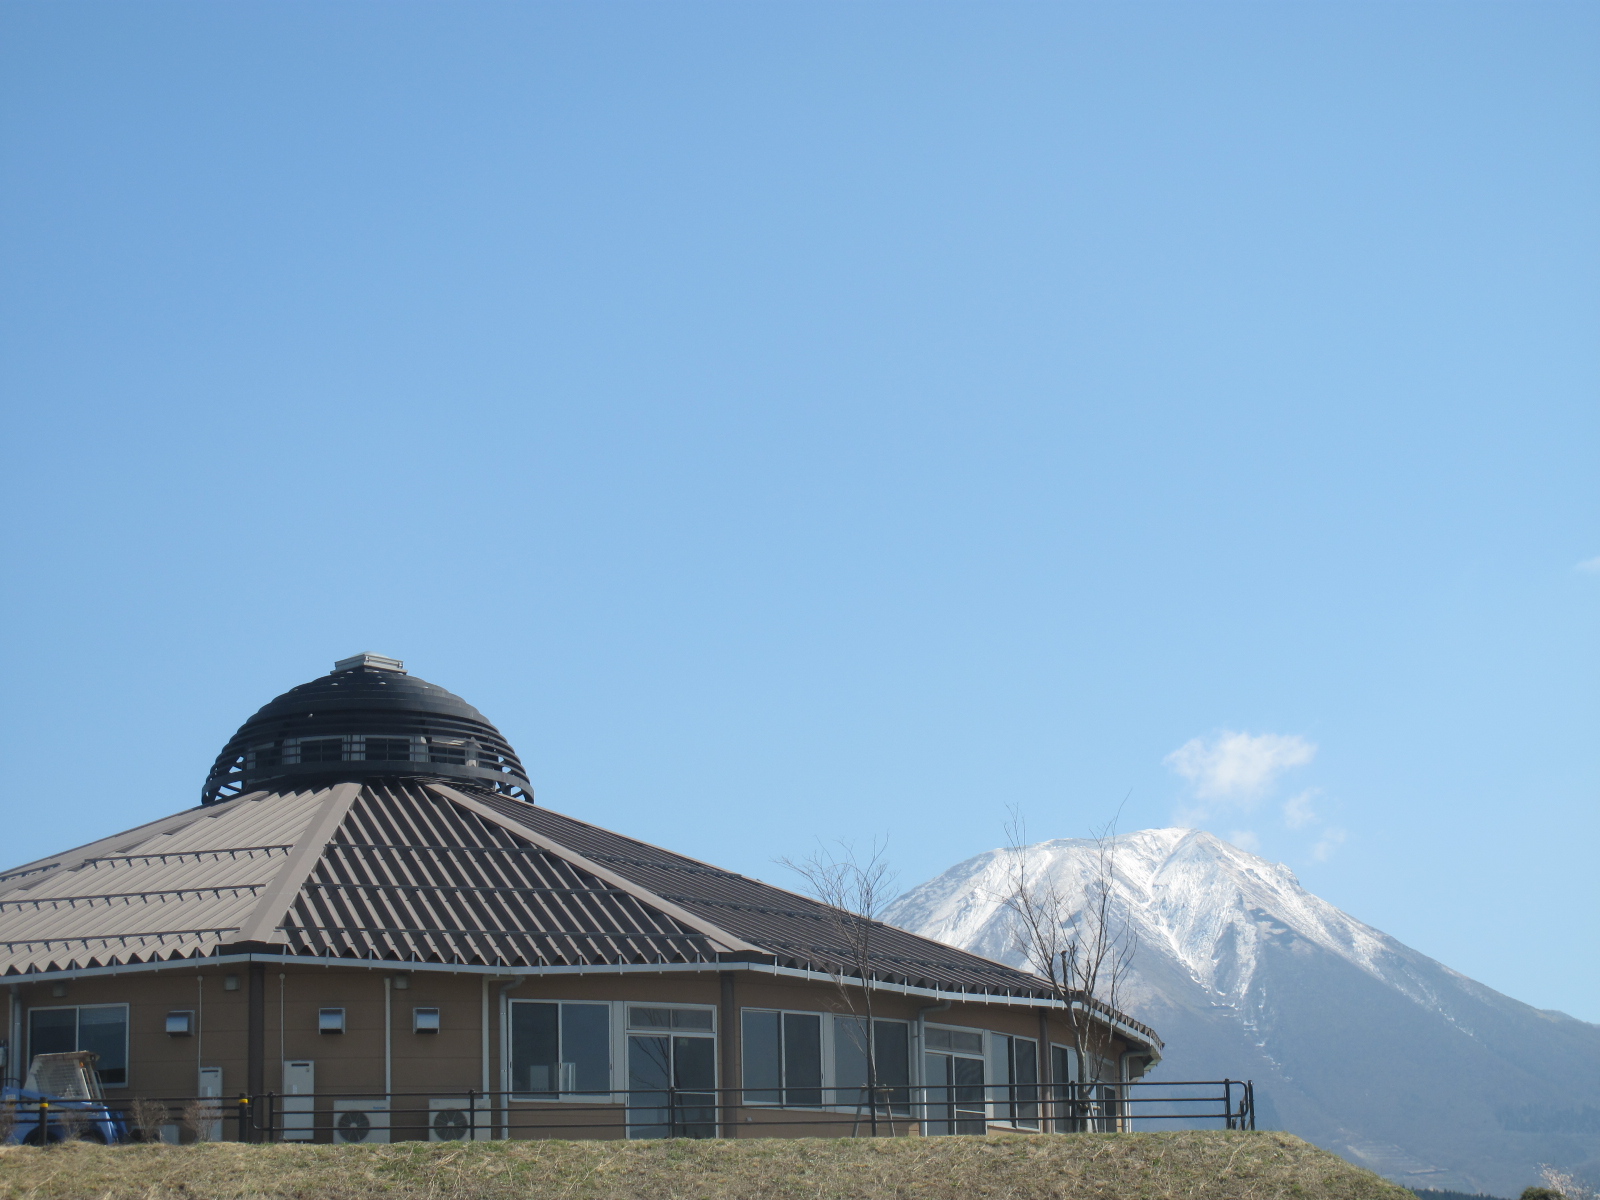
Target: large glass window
560 1048
783 1058
102 1028
891 1051
672 1072
1016 1080
1091 1105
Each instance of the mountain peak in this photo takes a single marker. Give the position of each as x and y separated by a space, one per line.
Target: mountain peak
1356 1041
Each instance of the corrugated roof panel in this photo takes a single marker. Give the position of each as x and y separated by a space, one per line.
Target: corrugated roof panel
796 928
177 890
410 875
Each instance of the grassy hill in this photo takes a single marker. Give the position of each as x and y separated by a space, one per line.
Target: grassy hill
1129 1166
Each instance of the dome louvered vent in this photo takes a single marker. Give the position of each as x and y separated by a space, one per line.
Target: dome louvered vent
368 719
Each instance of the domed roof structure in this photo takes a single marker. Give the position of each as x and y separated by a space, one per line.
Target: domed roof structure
368 719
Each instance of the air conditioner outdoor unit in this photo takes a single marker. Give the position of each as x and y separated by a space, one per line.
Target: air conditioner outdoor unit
451 1120
361 1121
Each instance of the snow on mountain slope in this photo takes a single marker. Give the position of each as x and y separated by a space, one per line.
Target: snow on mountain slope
1356 1040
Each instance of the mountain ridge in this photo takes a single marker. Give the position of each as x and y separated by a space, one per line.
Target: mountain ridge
1357 1041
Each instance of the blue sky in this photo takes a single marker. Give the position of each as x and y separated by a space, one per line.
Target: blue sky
835 420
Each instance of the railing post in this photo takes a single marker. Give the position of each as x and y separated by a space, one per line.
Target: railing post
472 1115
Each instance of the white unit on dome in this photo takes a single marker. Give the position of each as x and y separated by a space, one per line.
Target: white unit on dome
377 662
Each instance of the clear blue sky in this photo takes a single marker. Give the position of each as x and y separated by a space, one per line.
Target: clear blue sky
827 420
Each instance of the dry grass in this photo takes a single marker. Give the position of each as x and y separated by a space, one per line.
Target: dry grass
1132 1166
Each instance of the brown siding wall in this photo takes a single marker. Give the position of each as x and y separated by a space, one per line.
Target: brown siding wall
451 1061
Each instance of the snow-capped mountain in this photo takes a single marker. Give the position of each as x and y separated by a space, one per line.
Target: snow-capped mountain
1356 1042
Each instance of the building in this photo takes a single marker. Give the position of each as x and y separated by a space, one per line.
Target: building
370 929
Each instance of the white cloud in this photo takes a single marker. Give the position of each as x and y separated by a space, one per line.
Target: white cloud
1330 841
1245 839
1590 566
1238 766
1297 811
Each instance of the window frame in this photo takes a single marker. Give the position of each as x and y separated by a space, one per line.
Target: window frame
614 1046
628 1026
77 1034
1003 1050
824 1063
622 1063
898 1109
950 1102
828 1025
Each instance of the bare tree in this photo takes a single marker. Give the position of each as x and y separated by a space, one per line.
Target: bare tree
147 1116
203 1117
1072 938
1564 1184
73 1122
856 887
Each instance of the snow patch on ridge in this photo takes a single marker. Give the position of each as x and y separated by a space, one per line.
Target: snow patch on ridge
1204 904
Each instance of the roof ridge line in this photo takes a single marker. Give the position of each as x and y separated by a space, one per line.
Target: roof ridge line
268 915
725 940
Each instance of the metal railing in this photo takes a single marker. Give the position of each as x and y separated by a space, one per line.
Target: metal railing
674 1112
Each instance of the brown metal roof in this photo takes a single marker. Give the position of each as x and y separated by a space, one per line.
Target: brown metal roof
798 930
171 889
412 871
412 876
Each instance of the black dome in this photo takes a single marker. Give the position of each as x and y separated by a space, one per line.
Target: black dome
366 720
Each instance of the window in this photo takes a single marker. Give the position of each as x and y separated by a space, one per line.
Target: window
786 1060
268 754
319 750
891 1051
384 749
447 750
102 1028
560 1048
1016 1080
640 1017
1089 1105
783 1058
952 1074
672 1072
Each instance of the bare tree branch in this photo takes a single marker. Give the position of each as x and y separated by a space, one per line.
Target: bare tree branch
856 886
1073 939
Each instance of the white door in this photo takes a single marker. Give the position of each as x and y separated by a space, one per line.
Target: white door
298 1106
211 1090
